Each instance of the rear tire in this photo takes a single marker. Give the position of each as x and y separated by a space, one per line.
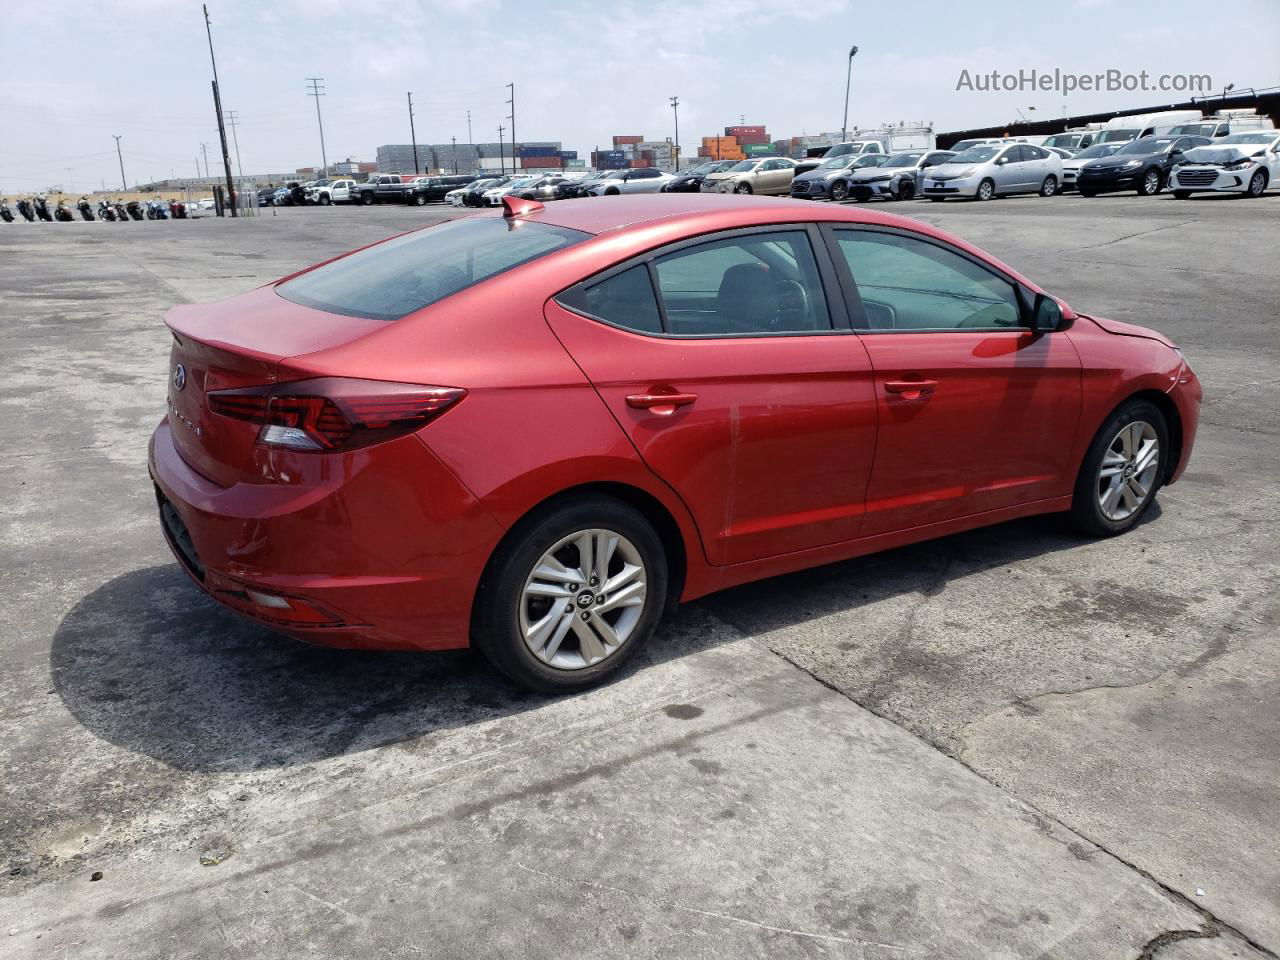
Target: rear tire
986 190
907 190
742 188
574 650
1089 506
1049 187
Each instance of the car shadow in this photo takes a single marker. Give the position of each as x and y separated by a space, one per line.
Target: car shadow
150 664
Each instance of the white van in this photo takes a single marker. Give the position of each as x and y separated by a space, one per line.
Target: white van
1244 120
1145 125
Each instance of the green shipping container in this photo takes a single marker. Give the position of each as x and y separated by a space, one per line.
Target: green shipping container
758 149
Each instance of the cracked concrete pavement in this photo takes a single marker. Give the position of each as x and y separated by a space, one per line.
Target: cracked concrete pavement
1009 743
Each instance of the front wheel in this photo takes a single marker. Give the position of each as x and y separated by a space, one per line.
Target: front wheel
571 595
742 188
1150 184
1049 186
420 199
839 191
367 199
1122 470
906 190
1257 184
986 190
324 200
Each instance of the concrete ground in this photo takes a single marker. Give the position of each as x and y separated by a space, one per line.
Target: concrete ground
1009 743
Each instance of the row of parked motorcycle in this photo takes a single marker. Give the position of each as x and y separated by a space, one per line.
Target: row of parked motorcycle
36 208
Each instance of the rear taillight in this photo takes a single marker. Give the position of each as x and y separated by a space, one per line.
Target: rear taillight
334 413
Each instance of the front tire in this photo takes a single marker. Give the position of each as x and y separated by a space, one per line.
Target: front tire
986 190
539 614
742 188
324 200
906 190
1150 184
367 199
1049 186
420 199
1257 184
839 191
1122 470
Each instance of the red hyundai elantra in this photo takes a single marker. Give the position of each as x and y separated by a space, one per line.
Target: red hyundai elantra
535 430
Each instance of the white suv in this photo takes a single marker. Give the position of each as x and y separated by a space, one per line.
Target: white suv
1245 163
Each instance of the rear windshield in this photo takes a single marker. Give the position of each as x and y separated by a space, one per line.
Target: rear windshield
395 278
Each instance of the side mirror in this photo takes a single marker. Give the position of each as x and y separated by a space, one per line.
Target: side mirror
1047 314
1002 161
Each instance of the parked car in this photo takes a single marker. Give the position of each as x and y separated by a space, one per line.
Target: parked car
457 198
381 188
962 145
1245 163
690 180
1142 165
266 196
290 195
542 188
349 474
578 188
493 196
994 170
635 180
426 190
473 196
1228 122
325 192
900 177
767 176
1072 140
831 177
850 148
1071 168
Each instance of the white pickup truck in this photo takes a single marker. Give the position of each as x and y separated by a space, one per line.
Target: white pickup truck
325 192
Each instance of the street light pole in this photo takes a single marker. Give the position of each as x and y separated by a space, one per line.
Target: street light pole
204 149
515 144
502 160
222 130
471 141
675 108
317 91
454 141
413 136
119 156
848 78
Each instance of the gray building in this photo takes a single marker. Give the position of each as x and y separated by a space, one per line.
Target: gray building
466 157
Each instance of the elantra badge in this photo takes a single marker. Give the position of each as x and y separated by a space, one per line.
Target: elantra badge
179 377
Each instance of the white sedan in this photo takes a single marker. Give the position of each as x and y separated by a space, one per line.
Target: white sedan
636 180
493 198
1245 163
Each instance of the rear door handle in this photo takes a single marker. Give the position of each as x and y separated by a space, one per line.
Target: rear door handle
658 401
910 389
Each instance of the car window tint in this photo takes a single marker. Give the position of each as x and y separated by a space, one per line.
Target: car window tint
625 300
760 283
909 284
404 274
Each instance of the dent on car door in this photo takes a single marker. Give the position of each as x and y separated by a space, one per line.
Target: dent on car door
977 412
735 385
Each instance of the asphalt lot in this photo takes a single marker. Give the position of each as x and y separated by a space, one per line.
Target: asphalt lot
1008 743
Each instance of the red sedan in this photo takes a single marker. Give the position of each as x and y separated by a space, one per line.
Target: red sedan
535 430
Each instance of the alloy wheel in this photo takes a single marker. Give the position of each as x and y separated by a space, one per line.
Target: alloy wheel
1127 474
1151 183
986 190
583 599
1258 184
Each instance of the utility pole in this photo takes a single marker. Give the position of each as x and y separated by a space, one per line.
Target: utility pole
204 149
454 140
217 106
317 91
848 77
119 156
502 160
233 121
412 136
515 144
675 108
475 161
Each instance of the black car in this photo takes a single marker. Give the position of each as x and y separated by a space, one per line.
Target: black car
547 188
571 189
433 189
1142 165
690 180
265 196
474 197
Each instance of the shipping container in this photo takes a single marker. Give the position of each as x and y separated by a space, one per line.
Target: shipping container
619 141
740 130
758 149
568 154
753 138
541 163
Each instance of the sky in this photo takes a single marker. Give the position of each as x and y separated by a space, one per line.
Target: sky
75 74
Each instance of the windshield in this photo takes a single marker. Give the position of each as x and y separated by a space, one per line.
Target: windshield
1193 130
743 166
1145 146
702 168
1068 140
1097 150
839 150
835 163
869 160
964 145
1111 136
975 155
390 280
1250 137
903 160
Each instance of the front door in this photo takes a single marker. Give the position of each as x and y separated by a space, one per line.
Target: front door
735 386
977 412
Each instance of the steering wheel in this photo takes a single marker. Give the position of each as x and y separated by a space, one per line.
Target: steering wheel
793 307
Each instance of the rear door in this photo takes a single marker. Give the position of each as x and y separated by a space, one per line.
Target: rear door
977 413
739 384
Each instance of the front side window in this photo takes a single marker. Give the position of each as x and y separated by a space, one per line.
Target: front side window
909 284
392 279
759 283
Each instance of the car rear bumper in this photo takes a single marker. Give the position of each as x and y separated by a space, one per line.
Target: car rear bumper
383 552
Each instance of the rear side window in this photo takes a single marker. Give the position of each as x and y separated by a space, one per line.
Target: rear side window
395 278
626 300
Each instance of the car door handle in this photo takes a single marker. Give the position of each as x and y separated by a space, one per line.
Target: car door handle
910 389
657 401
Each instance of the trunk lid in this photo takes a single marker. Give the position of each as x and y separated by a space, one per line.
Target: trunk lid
238 343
